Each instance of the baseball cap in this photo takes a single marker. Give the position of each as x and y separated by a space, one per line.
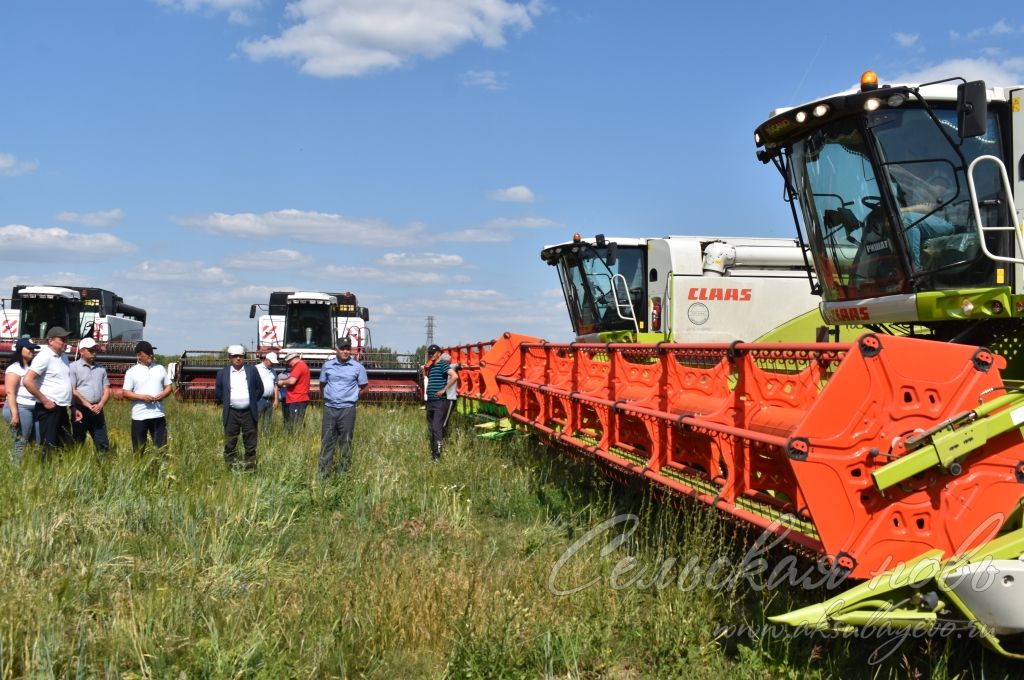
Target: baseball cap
87 343
291 355
432 350
144 347
272 356
22 343
235 350
345 343
57 332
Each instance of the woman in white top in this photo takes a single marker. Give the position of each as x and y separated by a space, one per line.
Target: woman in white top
19 404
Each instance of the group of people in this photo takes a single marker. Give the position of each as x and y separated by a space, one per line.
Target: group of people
55 401
249 393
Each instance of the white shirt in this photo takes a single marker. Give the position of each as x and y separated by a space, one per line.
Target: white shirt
267 376
24 397
54 375
239 387
149 380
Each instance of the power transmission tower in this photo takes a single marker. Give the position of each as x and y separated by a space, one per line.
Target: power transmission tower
430 331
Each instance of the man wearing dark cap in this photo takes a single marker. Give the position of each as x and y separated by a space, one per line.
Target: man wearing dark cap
342 381
146 384
48 379
438 406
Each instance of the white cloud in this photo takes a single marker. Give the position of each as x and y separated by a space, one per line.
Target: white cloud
304 226
489 80
337 38
906 39
516 194
18 242
104 218
268 260
421 260
498 230
237 10
11 166
999 28
174 271
993 72
367 274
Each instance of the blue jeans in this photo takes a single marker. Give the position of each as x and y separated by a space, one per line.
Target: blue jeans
266 413
24 432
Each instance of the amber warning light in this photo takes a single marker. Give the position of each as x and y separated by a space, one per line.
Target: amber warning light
868 81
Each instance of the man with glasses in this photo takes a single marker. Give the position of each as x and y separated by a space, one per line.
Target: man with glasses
342 381
239 388
48 379
90 390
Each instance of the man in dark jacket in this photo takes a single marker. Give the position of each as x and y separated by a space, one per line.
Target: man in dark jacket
239 388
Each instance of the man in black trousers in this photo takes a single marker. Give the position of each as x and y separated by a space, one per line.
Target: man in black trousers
239 388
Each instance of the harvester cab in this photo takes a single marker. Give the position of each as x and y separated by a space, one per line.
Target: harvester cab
85 312
685 288
903 196
304 321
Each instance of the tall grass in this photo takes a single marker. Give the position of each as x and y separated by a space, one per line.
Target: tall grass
170 565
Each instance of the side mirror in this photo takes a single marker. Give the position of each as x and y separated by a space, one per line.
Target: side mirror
252 311
971 109
613 253
364 313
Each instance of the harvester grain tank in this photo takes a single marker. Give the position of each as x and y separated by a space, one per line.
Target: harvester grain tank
897 458
94 313
307 323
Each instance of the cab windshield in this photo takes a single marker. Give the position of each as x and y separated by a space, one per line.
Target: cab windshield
308 324
886 205
40 314
603 296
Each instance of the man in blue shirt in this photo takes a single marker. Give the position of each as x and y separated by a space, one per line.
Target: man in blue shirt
342 381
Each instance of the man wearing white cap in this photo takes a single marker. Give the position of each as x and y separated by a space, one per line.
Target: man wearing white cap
239 388
269 400
90 389
48 379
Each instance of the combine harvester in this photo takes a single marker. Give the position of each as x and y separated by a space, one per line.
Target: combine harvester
898 458
85 312
308 324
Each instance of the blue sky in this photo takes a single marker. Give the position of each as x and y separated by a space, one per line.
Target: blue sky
194 155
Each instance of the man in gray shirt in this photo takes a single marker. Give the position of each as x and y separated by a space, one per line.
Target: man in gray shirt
90 389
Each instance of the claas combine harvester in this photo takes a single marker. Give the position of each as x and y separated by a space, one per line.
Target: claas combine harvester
882 432
308 324
84 312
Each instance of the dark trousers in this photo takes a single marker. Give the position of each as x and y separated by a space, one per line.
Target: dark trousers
438 412
240 421
336 431
294 414
95 424
156 427
54 427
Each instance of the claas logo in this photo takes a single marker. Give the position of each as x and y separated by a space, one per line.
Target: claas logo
850 314
728 294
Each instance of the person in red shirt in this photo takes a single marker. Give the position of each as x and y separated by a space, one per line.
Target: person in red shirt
296 391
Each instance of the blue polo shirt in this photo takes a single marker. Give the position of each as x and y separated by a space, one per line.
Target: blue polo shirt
340 382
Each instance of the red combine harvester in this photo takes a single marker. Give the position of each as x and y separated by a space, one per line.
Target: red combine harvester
898 457
308 324
85 312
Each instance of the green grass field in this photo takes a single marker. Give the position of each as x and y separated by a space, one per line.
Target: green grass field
171 566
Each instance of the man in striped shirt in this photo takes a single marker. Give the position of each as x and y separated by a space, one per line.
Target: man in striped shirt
440 377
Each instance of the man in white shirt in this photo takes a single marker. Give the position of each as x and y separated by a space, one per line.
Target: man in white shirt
146 384
269 400
239 388
48 379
